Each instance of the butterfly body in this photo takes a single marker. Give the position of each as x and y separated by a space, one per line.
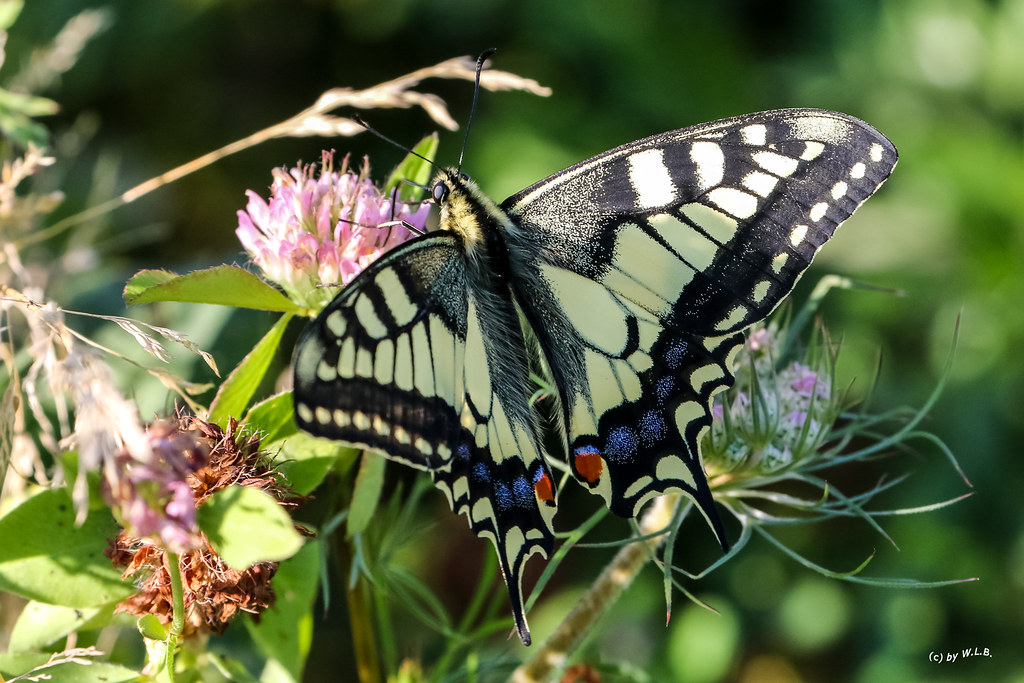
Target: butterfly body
627 279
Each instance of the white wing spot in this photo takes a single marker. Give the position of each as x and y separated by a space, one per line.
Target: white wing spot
347 358
384 363
780 261
776 163
364 363
687 412
710 163
857 172
736 202
335 323
672 467
304 411
734 317
402 435
818 211
761 290
380 426
795 238
403 363
754 134
423 446
822 128
760 183
839 190
637 486
710 372
323 416
876 152
402 309
812 150
650 179
368 318
341 418
326 372
361 420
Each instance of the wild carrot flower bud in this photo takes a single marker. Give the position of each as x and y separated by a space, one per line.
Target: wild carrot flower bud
322 227
772 418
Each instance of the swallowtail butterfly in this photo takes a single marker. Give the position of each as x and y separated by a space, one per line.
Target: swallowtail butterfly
629 277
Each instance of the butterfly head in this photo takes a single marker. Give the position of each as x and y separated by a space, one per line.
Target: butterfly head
466 211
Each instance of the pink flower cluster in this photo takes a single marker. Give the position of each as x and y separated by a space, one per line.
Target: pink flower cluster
154 498
322 227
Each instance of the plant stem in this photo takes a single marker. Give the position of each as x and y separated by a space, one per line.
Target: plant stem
628 562
178 615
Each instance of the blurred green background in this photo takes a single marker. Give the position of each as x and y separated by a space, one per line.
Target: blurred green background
165 81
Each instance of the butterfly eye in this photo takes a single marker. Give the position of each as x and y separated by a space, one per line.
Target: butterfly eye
440 192
463 176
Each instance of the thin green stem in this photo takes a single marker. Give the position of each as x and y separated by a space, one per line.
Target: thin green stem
178 616
602 594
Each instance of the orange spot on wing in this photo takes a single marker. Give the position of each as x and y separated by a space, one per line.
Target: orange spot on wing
542 487
589 465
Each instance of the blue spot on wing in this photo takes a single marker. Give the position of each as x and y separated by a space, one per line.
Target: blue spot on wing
522 490
652 427
621 445
675 353
502 496
665 387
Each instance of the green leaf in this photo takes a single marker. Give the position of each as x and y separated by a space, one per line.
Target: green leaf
151 627
83 671
237 390
307 460
285 631
223 285
246 526
40 624
272 419
45 557
366 494
414 169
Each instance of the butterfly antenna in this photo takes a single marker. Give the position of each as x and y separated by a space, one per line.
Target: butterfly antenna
476 95
370 129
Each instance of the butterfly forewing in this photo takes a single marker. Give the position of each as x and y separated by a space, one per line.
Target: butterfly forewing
404 361
640 265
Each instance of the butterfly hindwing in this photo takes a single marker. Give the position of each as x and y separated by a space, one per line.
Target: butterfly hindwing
644 262
405 361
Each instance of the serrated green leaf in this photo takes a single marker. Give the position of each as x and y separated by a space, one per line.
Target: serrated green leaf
246 526
366 494
40 624
223 285
238 389
285 631
307 459
272 419
45 557
415 170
